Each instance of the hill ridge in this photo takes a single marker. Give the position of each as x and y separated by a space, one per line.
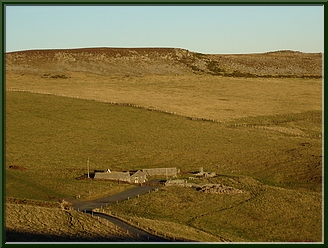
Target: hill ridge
164 61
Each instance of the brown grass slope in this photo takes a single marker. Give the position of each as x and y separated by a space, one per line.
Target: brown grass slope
163 61
32 223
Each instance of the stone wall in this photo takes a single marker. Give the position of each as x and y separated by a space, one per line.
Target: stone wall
171 172
219 189
177 182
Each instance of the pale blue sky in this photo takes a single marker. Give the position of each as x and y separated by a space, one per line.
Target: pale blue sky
204 29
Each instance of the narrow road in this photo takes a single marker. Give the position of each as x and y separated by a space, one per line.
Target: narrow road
88 206
132 230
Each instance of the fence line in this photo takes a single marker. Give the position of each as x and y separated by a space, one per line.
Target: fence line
120 104
165 112
151 231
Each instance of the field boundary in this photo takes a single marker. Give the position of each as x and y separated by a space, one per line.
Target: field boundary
284 130
120 104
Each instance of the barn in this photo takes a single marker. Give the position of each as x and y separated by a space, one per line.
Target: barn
130 177
113 175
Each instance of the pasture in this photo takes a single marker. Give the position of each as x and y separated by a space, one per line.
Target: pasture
211 97
264 135
52 137
262 214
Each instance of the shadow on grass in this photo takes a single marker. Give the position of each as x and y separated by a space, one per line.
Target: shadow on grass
22 236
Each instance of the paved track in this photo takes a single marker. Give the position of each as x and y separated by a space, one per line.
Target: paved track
144 236
88 206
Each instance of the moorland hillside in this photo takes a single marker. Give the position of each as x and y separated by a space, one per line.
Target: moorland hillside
163 61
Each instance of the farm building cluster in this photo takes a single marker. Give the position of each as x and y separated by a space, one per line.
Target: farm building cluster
139 176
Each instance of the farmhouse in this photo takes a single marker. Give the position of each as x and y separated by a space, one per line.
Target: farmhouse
139 177
130 177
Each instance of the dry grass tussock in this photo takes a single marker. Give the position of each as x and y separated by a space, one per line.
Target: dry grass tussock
27 223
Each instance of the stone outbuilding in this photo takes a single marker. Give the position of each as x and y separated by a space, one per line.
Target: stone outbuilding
113 175
205 174
130 177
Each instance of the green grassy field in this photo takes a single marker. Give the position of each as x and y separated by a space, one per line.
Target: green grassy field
261 214
276 158
52 137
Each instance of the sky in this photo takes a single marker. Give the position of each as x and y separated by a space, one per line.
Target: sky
205 29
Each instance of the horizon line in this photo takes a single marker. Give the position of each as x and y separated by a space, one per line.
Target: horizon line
153 47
